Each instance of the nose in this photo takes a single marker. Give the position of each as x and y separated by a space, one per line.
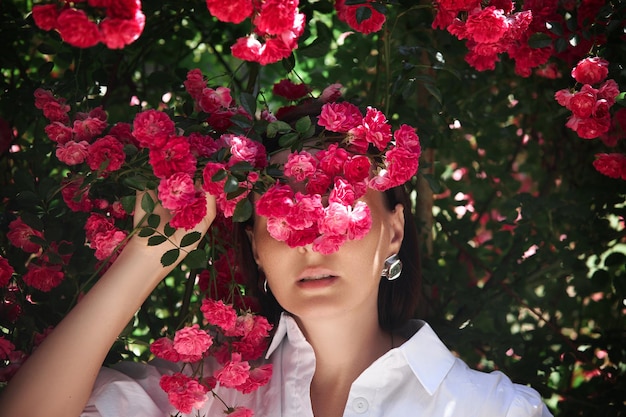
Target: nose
306 248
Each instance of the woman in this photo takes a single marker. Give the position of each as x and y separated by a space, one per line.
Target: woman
343 344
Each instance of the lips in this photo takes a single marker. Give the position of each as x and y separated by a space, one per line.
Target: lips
313 275
317 278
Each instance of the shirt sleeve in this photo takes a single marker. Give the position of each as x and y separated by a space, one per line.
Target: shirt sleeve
527 403
129 389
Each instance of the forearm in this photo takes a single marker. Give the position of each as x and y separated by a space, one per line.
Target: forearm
58 378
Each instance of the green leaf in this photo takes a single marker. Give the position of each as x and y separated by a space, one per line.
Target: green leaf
219 175
286 141
154 220
277 127
231 184
45 69
539 40
289 63
242 166
170 257
136 182
363 13
147 203
243 211
156 240
128 203
146 231
434 91
168 230
190 239
197 259
46 49
248 102
303 124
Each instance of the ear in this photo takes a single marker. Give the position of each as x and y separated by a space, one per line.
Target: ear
396 223
250 234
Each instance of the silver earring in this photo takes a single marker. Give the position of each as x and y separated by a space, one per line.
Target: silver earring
265 286
393 268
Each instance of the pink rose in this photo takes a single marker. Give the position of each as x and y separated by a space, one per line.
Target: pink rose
290 90
190 215
117 33
259 376
277 201
406 137
306 212
72 153
45 16
174 156
247 48
357 168
106 154
276 16
43 277
611 164
233 11
152 128
6 272
194 83
56 111
300 165
377 129
219 314
279 228
234 373
106 243
176 191
88 128
487 25
20 233
582 103
340 117
336 219
76 29
183 392
591 70
191 343
243 149
609 90
327 244
211 100
59 132
360 221
164 348
75 196
342 193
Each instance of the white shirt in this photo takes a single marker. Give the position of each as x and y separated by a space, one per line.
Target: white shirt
420 378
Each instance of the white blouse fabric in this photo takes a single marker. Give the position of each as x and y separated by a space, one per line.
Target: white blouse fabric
420 378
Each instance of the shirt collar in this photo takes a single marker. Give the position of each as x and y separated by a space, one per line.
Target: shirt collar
427 356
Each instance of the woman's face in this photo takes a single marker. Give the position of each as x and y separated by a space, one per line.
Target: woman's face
311 285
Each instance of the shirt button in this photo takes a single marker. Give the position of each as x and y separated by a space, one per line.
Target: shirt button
360 405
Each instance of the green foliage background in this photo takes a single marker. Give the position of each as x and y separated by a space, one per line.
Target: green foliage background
553 319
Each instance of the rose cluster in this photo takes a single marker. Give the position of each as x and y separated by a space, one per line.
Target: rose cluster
591 118
277 25
590 105
83 27
233 340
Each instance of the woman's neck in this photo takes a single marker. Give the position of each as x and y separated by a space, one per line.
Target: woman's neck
344 347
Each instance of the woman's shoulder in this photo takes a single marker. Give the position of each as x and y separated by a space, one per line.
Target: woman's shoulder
442 374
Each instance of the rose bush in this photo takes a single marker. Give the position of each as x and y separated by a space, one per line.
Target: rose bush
519 195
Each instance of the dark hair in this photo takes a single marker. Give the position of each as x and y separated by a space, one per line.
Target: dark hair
397 300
